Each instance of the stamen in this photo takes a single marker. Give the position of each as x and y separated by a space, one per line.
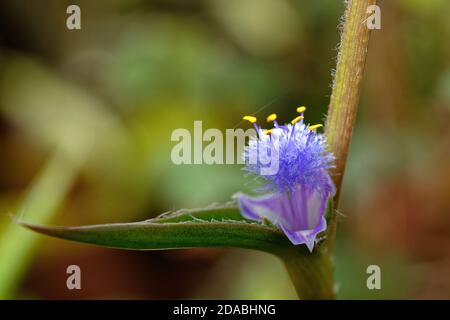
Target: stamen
301 109
250 119
272 117
268 131
297 119
311 128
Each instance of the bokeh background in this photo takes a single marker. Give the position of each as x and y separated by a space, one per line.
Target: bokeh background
86 118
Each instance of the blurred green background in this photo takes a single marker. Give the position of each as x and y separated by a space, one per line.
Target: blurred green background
86 118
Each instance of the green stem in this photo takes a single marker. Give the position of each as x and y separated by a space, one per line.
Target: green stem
345 94
313 275
347 84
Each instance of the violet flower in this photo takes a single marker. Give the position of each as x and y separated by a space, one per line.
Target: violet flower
298 190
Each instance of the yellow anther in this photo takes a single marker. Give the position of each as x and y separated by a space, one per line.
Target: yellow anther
297 119
314 127
272 117
250 119
268 131
301 109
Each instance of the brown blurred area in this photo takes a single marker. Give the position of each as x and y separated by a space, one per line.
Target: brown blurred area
406 105
112 93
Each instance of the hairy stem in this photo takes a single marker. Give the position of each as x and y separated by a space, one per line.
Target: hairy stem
312 274
346 90
347 84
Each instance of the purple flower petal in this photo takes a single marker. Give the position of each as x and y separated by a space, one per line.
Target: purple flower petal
307 237
300 215
257 208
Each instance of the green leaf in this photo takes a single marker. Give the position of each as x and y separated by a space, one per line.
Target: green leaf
214 226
